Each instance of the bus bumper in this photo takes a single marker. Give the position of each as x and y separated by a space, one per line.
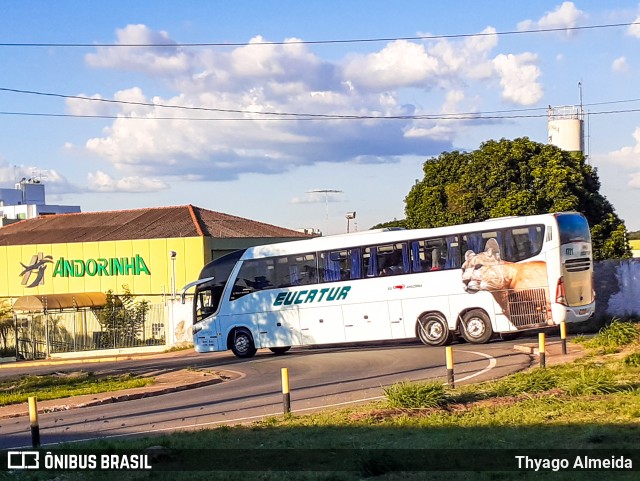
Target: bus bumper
572 314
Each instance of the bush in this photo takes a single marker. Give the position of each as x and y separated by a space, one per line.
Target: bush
615 335
9 352
632 360
591 381
538 380
416 395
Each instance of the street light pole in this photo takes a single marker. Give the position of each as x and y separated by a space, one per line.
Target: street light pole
326 193
173 255
349 216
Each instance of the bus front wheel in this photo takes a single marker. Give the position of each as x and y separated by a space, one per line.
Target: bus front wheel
242 343
433 330
476 327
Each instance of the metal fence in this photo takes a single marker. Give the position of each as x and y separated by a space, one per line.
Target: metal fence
38 335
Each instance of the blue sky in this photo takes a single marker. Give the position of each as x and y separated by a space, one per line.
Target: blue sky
237 157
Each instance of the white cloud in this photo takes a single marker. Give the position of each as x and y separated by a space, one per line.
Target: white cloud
102 182
443 129
628 156
620 65
232 88
407 64
566 15
399 64
89 107
518 78
54 180
634 30
634 181
157 59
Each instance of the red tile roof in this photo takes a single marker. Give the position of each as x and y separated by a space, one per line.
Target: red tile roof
150 223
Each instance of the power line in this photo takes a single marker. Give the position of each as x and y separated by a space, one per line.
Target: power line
167 106
492 114
317 42
256 112
462 117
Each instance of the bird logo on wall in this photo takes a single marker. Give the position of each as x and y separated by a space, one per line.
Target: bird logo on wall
37 267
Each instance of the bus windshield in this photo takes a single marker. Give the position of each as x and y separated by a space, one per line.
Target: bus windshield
208 295
573 228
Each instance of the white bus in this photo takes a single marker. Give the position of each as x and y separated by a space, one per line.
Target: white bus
476 281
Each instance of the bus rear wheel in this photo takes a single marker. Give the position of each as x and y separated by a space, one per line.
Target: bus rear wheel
476 327
433 330
242 343
279 350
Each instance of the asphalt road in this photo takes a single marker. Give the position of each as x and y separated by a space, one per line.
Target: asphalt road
319 378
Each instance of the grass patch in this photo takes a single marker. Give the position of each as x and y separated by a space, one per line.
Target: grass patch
632 360
610 339
593 403
540 423
18 390
534 381
416 395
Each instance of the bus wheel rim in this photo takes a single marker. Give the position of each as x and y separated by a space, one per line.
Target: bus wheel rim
475 327
433 330
242 343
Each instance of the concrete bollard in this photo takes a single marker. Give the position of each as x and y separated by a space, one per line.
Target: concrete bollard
286 396
563 337
541 350
33 420
450 378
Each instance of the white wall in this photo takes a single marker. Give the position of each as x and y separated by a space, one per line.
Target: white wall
617 285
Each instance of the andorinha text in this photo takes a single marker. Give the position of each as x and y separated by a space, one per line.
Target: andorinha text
312 295
113 266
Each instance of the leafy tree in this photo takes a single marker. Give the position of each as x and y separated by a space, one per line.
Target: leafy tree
514 177
6 324
402 223
122 319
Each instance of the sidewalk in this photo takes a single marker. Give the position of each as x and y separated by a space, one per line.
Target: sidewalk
166 381
100 358
553 352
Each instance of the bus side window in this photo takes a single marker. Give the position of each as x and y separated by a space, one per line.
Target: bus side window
521 243
205 303
254 275
340 265
393 259
303 270
433 256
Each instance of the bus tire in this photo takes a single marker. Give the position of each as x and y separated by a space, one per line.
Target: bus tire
476 327
279 350
433 330
242 343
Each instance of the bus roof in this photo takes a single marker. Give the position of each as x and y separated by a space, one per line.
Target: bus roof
381 236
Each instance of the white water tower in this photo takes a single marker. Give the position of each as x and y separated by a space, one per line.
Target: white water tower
566 127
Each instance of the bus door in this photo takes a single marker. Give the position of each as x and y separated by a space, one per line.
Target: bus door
321 325
396 320
210 339
279 328
366 322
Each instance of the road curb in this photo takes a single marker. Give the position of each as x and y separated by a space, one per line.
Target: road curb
19 410
527 349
